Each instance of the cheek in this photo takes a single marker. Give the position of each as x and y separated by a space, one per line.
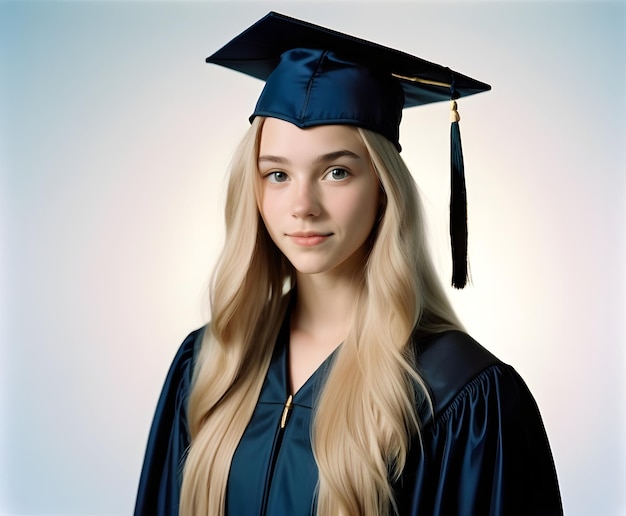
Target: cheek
371 201
360 210
268 210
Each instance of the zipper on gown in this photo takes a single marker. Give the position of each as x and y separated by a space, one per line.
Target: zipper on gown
278 439
288 405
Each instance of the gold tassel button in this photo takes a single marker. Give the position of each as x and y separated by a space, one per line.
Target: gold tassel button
454 114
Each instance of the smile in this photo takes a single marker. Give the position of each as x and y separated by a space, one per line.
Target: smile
308 239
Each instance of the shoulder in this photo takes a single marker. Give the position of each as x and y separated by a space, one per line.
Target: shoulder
454 365
188 350
485 448
180 374
168 442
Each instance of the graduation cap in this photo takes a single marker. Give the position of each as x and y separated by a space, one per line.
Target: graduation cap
317 76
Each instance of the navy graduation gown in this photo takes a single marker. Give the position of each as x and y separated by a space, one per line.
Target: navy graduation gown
273 470
485 451
168 442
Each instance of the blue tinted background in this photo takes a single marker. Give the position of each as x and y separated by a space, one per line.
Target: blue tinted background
114 142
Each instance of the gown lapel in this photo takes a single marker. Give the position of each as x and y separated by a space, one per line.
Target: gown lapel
273 469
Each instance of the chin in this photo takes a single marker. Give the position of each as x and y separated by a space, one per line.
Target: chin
309 269
311 266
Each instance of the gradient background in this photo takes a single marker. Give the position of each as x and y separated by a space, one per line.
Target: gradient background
115 138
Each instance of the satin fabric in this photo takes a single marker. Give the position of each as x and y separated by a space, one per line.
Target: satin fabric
161 475
312 87
485 450
274 468
319 76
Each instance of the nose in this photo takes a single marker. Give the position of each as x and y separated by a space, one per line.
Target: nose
306 202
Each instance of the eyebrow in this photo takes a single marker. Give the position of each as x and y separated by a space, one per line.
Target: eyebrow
332 156
324 158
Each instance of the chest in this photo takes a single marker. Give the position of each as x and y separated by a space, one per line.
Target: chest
273 470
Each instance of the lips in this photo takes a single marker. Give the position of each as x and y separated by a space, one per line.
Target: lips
308 238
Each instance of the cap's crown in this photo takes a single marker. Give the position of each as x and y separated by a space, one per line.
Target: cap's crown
314 87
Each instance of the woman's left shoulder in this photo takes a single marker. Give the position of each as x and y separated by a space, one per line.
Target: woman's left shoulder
453 365
483 446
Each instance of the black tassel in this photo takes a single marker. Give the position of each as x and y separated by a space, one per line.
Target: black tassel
458 204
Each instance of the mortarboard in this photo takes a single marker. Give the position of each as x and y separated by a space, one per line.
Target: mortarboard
317 76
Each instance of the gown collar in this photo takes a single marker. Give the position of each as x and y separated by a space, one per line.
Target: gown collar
276 387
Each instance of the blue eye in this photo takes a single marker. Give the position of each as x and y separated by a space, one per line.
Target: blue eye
277 177
338 174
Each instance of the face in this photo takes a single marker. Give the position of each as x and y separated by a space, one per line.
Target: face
319 195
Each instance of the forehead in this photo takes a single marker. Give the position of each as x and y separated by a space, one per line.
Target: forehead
279 137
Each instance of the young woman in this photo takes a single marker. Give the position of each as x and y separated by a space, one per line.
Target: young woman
334 377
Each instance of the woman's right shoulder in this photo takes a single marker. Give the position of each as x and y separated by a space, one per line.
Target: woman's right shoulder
185 358
169 439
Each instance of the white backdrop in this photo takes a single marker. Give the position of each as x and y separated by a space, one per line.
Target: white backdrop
114 140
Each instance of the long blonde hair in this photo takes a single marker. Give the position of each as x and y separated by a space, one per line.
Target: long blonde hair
366 416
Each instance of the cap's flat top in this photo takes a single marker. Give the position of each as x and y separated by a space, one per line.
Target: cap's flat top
257 50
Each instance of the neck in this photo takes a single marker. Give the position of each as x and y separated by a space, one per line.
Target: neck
324 303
